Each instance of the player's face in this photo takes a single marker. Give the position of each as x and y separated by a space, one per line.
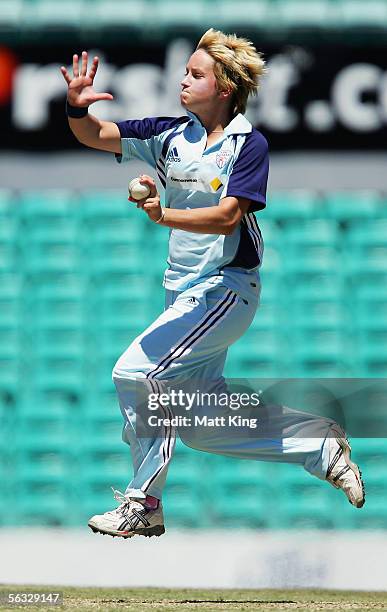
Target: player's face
199 89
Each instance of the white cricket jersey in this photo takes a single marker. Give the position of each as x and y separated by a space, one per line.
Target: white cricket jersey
196 177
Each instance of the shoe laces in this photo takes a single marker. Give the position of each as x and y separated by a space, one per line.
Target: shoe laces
120 497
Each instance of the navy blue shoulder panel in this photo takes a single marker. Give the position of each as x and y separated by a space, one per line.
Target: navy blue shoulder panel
148 127
249 175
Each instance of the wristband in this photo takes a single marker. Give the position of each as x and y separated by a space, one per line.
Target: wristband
76 112
162 216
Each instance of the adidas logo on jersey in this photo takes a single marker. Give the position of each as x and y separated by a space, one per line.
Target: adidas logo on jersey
173 155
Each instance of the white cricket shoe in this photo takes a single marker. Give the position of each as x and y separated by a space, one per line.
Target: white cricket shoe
342 473
129 519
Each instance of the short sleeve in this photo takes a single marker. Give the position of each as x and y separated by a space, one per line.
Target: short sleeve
249 175
142 138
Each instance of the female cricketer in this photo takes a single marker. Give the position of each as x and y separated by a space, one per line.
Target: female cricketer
213 165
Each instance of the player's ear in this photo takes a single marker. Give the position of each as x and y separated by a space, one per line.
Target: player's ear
224 94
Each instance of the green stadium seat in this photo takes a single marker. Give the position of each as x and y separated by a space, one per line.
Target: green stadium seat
366 233
371 319
372 448
4 504
8 229
100 400
40 14
271 232
46 481
64 342
119 13
267 366
10 363
51 257
108 258
373 360
311 232
105 429
113 231
302 14
271 282
268 317
171 13
228 14
36 466
63 231
62 405
313 513
381 211
107 342
370 518
320 314
61 303
107 207
306 266
101 476
320 353
7 409
183 499
48 207
10 339
329 286
350 205
100 469
64 372
228 511
368 294
109 222
239 499
353 13
107 217
313 508
11 13
9 256
271 294
258 356
47 216
272 262
10 307
311 259
7 198
370 262
296 204
41 430
11 285
123 302
243 474
375 480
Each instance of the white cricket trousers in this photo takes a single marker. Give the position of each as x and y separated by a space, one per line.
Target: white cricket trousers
190 340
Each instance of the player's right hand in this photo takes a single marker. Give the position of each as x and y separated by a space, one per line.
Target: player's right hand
80 86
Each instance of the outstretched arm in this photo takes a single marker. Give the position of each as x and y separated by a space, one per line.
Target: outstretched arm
89 130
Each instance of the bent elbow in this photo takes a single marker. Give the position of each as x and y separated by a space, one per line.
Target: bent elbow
230 228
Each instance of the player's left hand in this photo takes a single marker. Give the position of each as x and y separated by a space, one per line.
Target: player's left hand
151 205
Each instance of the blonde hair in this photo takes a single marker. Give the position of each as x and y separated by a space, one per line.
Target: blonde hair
238 65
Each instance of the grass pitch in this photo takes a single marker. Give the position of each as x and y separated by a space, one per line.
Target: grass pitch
170 600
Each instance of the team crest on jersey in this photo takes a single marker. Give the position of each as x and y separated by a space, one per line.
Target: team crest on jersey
222 158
